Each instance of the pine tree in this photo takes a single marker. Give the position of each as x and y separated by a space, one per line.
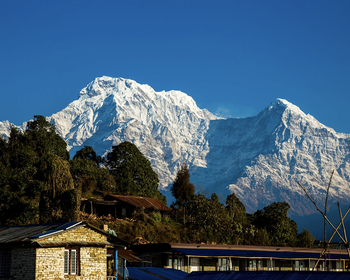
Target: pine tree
182 189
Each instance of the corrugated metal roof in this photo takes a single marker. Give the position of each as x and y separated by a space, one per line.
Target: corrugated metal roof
35 233
256 254
248 247
74 243
155 273
58 229
69 225
244 251
139 201
129 256
263 275
20 233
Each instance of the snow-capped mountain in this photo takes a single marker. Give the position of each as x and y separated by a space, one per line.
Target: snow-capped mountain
259 158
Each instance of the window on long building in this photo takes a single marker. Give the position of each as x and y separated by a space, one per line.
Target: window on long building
71 261
5 263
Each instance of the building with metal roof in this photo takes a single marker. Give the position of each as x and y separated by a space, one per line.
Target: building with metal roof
271 275
58 251
121 206
202 257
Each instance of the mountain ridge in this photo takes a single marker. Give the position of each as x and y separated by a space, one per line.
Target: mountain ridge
260 158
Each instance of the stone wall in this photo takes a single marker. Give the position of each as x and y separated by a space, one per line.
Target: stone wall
83 234
23 263
93 263
49 263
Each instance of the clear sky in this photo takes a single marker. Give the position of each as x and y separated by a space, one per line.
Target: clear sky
233 57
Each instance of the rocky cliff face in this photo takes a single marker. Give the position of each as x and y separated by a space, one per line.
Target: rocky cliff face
167 127
263 158
259 158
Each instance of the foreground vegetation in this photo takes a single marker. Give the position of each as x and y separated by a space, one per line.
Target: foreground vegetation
40 184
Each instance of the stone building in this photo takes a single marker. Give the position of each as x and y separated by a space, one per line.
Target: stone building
74 250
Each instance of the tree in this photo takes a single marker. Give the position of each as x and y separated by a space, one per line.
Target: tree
59 200
182 189
281 229
235 208
33 173
305 239
88 153
133 172
42 136
88 175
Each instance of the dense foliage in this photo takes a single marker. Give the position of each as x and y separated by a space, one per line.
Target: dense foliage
207 220
39 184
35 181
132 172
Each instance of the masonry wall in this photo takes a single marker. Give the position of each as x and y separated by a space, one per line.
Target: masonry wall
93 260
82 234
49 263
93 263
22 263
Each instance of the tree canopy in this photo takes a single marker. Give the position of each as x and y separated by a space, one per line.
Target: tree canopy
132 172
33 168
273 218
182 189
88 175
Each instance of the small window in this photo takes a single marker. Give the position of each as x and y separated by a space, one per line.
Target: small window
123 213
71 261
5 263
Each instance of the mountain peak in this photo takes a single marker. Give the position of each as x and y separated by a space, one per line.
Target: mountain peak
99 85
279 102
259 158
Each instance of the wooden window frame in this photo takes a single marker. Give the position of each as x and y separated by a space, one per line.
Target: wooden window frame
71 261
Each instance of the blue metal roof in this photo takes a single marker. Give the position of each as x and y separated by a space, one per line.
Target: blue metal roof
68 225
155 273
271 275
255 254
63 227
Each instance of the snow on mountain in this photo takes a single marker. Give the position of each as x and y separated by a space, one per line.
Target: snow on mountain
5 129
259 158
167 127
262 159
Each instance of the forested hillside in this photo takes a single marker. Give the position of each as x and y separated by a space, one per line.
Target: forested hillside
39 183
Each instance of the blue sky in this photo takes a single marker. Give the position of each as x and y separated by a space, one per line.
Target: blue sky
233 57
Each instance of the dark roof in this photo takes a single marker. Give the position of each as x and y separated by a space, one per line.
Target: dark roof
28 233
263 275
155 273
74 243
33 234
257 254
139 201
129 256
242 251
